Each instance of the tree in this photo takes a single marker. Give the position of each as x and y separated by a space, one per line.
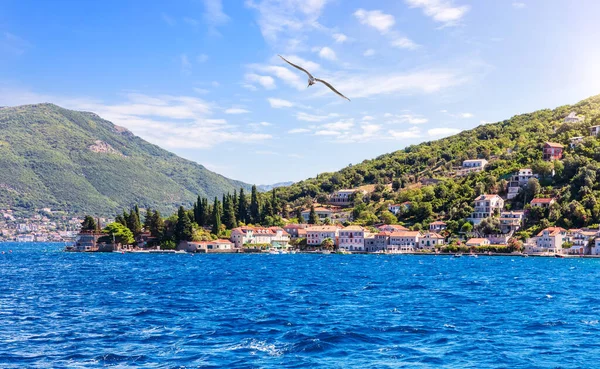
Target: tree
489 226
183 229
467 227
216 218
229 218
88 224
274 202
387 217
148 220
327 244
312 216
254 206
157 225
242 208
121 234
299 216
133 223
532 189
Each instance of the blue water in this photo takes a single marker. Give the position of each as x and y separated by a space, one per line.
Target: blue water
295 311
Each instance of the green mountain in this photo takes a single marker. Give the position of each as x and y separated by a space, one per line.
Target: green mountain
79 162
426 174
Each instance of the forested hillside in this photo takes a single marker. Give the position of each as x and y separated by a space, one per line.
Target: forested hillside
79 162
425 174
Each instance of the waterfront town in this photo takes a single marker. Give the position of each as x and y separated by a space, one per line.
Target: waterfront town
329 224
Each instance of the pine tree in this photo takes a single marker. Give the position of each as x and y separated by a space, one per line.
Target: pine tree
312 217
274 202
267 211
88 224
216 218
299 216
148 220
157 225
242 208
254 206
133 223
197 209
183 228
137 213
230 220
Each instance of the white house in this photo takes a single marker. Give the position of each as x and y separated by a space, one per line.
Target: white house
391 228
478 242
485 206
580 239
595 130
437 226
322 213
274 236
430 240
519 180
344 197
549 240
396 208
352 238
574 141
511 221
542 202
209 246
573 118
596 248
405 241
317 234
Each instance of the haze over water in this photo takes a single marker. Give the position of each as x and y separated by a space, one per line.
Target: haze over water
295 311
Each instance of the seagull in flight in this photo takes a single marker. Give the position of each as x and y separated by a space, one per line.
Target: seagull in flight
312 80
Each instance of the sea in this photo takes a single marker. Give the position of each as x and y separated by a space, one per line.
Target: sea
83 310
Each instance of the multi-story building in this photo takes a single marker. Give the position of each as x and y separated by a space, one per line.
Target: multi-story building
294 230
275 236
542 202
595 130
573 118
405 241
377 242
552 151
317 234
580 240
478 242
322 213
549 240
473 165
511 221
345 197
437 226
596 248
486 206
518 181
431 240
352 238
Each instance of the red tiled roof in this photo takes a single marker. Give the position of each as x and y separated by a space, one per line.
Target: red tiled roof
553 144
553 231
542 200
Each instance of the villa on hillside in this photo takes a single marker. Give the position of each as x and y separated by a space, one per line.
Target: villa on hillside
486 206
396 208
322 213
437 226
344 197
573 118
574 141
549 240
595 130
552 151
518 181
542 202
472 165
352 238
511 221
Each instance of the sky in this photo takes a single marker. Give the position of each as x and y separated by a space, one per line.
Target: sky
202 78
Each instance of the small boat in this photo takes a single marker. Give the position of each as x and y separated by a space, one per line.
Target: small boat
457 255
559 256
473 255
292 251
325 252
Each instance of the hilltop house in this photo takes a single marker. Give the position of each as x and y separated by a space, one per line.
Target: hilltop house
322 213
405 241
352 238
542 202
317 234
552 151
486 206
275 236
574 141
573 118
344 197
472 165
396 208
595 130
430 240
549 240
437 226
511 221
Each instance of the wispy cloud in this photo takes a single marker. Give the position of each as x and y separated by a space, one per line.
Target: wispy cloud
298 130
518 5
186 65
12 44
441 11
404 43
266 81
369 52
313 117
340 38
213 13
168 19
279 103
191 21
327 53
202 58
412 132
236 111
285 73
376 19
405 118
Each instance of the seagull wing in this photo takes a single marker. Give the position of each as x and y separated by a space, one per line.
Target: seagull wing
331 88
295 66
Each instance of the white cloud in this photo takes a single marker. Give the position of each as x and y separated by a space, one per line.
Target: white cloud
342 125
466 115
406 118
191 21
368 118
442 131
295 156
168 19
298 130
266 81
327 53
287 17
340 38
260 124
369 132
326 132
279 103
518 5
236 111
404 43
265 152
288 74
441 11
376 19
250 87
313 118
369 52
416 82
213 13
201 91
202 58
413 132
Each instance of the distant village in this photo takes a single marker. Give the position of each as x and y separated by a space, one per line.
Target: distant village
327 227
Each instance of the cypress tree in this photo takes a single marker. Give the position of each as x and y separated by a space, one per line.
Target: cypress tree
148 220
183 228
267 211
229 211
137 214
254 206
299 216
242 208
216 218
157 225
312 217
133 223
274 202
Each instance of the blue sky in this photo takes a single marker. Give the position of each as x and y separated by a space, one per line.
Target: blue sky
202 78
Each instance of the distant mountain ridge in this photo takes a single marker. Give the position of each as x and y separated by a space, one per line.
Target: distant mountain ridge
265 188
79 162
